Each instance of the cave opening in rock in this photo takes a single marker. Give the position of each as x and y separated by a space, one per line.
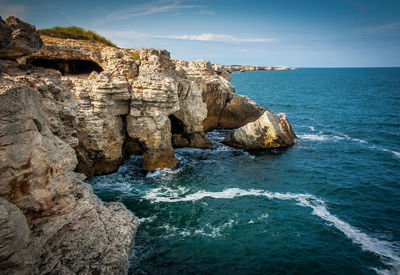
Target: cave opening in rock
177 126
68 66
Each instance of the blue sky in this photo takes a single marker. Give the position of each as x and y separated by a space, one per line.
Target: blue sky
300 33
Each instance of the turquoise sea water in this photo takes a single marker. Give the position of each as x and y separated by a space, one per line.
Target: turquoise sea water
330 204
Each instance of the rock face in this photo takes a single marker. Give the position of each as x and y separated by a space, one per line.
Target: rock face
17 38
143 102
50 221
267 132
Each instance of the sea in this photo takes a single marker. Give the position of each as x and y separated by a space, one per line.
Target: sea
329 204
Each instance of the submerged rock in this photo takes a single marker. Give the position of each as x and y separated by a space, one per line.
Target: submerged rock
267 132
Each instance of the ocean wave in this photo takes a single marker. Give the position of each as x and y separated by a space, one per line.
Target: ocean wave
395 153
341 136
387 250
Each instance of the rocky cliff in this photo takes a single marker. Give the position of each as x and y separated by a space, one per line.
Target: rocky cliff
50 221
141 101
71 107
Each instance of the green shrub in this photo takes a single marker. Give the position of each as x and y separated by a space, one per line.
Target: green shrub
75 32
135 55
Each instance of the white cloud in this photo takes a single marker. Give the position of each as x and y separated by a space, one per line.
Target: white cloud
219 38
7 9
160 6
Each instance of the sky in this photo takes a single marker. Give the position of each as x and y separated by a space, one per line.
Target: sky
297 33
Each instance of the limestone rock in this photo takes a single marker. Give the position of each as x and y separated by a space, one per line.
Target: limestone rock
24 39
50 221
267 132
15 238
238 111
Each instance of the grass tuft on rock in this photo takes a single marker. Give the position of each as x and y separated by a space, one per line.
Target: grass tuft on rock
75 32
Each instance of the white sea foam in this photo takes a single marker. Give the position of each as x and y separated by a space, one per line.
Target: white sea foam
263 217
388 251
319 137
164 174
395 153
147 219
207 230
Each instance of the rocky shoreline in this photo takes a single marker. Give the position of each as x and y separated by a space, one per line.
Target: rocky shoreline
71 109
241 68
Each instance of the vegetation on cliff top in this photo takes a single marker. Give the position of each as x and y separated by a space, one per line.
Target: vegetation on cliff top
75 32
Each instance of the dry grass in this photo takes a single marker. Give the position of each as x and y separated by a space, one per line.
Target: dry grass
75 32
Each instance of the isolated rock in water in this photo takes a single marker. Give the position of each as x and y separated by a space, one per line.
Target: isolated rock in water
5 34
24 39
238 111
267 132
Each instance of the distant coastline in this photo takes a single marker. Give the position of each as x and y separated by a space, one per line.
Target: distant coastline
243 68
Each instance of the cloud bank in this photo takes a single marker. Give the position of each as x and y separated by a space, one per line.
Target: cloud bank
218 37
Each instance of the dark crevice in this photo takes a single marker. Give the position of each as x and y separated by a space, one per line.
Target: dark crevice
177 126
38 125
227 100
67 66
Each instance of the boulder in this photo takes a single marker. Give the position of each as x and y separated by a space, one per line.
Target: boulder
267 132
24 39
238 111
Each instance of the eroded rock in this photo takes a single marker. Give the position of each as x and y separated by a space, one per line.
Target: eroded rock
267 132
50 221
23 41
238 111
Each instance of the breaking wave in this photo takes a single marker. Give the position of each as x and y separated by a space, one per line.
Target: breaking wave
388 251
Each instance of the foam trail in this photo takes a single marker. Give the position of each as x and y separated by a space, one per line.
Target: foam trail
397 154
319 137
389 251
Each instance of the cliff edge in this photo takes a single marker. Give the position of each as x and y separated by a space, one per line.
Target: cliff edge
50 221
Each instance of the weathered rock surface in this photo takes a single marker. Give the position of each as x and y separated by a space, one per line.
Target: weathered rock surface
22 40
50 221
129 106
267 132
238 111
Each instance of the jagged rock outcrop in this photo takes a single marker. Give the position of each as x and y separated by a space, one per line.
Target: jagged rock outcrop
17 38
267 132
129 105
238 111
50 221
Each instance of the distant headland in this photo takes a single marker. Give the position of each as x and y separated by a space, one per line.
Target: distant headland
244 68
